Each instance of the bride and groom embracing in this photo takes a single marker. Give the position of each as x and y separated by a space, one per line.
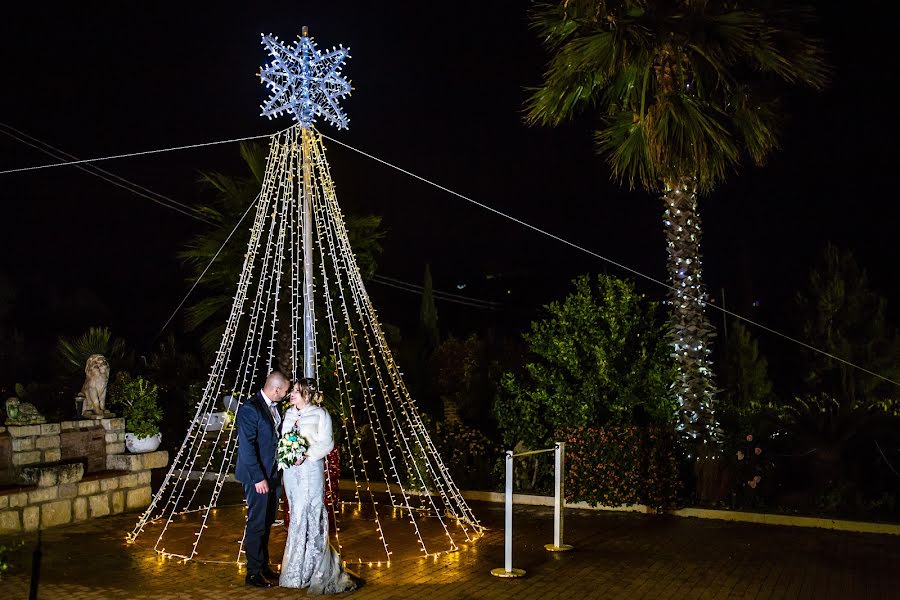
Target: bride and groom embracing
309 559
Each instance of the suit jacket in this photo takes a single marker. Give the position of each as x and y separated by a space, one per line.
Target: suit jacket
257 442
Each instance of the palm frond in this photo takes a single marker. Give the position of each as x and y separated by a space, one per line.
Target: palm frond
623 140
688 137
755 122
710 99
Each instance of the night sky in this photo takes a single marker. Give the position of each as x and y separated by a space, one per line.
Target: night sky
438 90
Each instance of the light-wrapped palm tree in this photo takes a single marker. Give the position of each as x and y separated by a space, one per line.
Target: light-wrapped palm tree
685 90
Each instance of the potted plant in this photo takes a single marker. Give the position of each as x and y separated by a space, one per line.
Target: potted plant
139 402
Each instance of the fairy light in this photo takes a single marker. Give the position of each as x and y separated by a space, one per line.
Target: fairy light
369 386
367 310
690 330
355 284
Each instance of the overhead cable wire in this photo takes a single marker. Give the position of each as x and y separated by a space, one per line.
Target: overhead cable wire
608 260
133 154
103 174
208 265
476 203
437 295
446 294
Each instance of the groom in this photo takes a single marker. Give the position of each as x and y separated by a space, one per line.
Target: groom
258 422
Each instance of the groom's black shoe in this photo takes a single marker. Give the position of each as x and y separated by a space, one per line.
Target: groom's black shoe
257 580
269 574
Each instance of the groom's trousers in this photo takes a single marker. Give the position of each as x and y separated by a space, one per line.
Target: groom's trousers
261 511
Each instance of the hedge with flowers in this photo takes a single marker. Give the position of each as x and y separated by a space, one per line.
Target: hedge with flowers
621 465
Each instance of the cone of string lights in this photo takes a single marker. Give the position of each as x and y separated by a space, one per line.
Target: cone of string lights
299 270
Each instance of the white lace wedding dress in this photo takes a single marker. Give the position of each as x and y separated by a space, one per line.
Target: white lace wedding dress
309 559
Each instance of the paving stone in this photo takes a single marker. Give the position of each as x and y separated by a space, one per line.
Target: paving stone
616 556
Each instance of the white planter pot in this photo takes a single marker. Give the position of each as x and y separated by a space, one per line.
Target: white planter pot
213 421
230 403
137 445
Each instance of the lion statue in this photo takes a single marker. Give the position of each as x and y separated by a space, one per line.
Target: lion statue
93 391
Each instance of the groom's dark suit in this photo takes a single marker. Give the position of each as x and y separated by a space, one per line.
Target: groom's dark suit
256 462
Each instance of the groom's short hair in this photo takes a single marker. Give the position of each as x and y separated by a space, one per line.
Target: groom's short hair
275 380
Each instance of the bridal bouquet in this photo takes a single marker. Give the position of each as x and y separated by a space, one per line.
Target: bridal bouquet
291 448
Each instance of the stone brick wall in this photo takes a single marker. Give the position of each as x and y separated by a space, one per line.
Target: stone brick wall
31 444
69 472
97 496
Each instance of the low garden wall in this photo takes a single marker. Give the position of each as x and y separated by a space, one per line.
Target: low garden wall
60 473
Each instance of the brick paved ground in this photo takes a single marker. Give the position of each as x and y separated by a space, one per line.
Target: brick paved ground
616 556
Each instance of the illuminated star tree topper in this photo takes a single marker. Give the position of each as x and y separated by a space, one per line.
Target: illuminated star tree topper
304 81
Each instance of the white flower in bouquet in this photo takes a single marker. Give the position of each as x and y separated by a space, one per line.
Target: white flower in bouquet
291 448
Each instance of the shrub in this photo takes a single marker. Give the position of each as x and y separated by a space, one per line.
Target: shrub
139 401
621 465
468 454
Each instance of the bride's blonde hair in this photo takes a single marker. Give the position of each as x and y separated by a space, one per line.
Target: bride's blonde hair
308 387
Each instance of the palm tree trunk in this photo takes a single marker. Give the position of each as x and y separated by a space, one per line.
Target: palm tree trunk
689 329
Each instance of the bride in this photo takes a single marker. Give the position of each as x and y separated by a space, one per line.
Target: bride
309 560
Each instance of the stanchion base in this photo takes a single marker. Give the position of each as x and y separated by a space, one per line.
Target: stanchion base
507 574
561 548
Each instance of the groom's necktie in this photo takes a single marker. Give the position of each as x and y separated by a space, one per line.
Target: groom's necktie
275 416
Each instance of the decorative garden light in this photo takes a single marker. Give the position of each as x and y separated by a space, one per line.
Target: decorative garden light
299 226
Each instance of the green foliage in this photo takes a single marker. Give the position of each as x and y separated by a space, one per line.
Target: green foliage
468 454
748 389
611 466
464 373
139 401
683 88
845 317
597 358
5 551
172 367
752 468
73 353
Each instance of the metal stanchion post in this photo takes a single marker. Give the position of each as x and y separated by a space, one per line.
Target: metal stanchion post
558 499
507 570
